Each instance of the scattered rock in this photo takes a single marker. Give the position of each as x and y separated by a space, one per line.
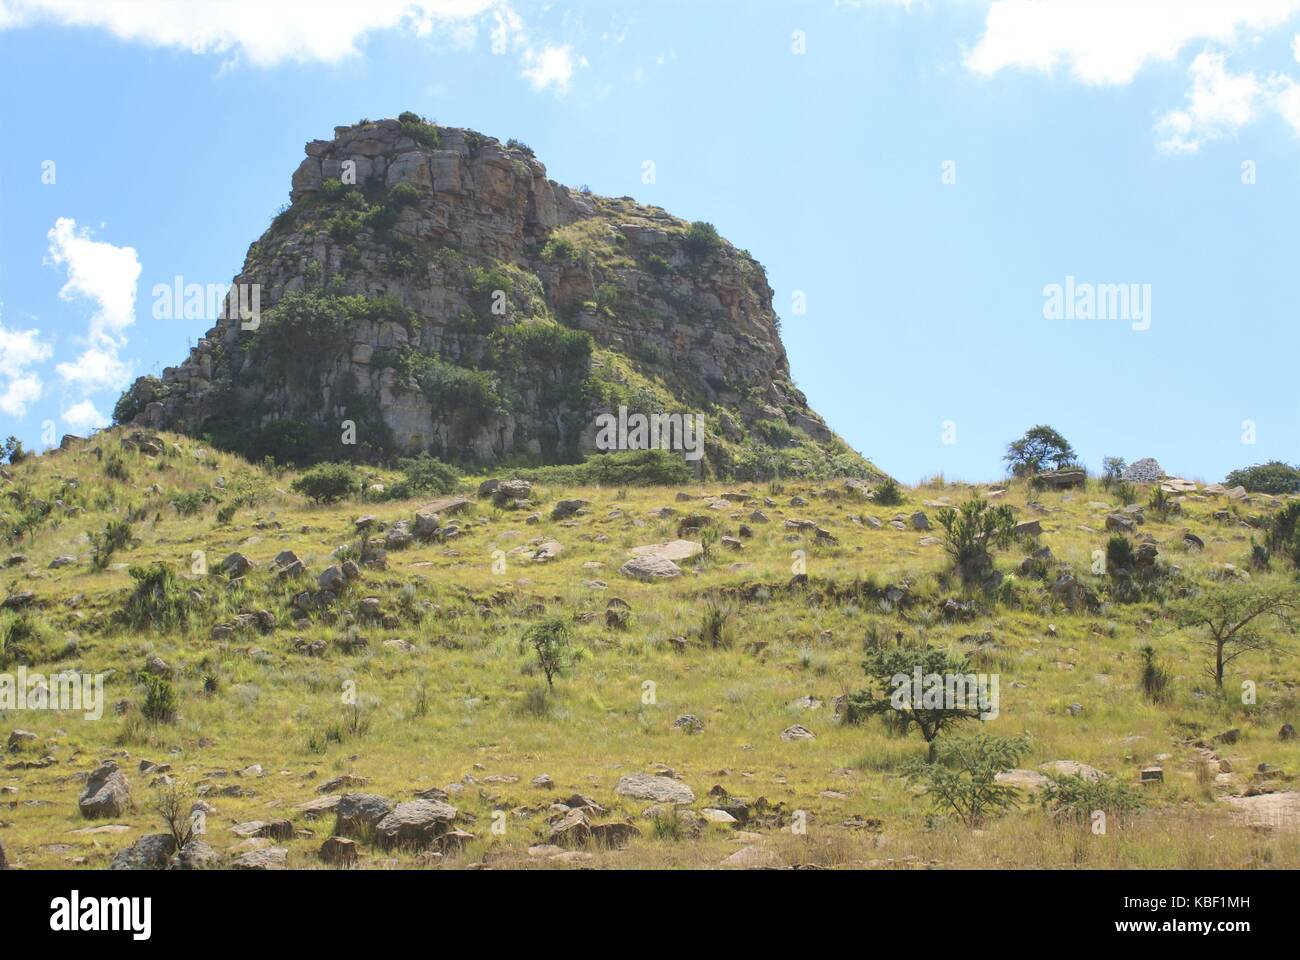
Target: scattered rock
650 568
644 786
107 793
148 853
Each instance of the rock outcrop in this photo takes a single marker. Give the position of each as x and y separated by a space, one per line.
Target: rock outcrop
432 286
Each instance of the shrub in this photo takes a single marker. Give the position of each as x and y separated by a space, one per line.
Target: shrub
422 131
189 503
550 641
962 780
159 699
115 468
1163 505
1077 798
1155 678
1284 532
888 493
1040 448
160 599
971 533
1272 477
513 144
328 482
1120 559
424 474
116 535
702 239
715 626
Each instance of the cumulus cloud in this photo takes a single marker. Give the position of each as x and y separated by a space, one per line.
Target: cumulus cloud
20 386
1218 103
551 66
84 417
107 276
270 32
1108 43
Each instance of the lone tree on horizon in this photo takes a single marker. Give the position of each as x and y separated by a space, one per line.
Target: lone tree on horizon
1041 446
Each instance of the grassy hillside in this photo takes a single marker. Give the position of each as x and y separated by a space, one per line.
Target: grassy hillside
446 697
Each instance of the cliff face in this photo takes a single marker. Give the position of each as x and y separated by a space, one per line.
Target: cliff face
436 289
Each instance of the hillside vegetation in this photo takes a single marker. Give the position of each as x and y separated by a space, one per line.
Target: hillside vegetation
498 661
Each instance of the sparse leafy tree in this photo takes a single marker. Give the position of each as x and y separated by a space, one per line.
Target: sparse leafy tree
891 671
1040 448
1229 619
550 641
172 803
1112 469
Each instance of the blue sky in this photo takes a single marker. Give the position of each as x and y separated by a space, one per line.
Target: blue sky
919 171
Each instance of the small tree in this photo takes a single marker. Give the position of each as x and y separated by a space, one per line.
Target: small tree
963 778
892 672
1112 469
1041 447
1229 619
172 803
550 641
328 482
971 533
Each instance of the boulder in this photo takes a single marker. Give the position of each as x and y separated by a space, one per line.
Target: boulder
150 852
674 550
566 508
650 568
339 852
415 823
645 786
195 855
107 793
269 858
236 565
359 813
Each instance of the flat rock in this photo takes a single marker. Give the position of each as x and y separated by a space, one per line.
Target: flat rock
645 786
674 550
650 568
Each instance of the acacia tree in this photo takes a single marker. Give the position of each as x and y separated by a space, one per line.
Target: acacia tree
891 671
1040 447
1230 619
550 641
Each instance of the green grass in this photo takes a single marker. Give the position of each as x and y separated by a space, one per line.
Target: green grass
464 703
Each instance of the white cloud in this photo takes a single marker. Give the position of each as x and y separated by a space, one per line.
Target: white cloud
552 66
106 275
20 386
1218 103
270 32
1108 43
84 417
267 32
1287 101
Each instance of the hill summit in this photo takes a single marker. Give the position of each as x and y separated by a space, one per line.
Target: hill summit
431 289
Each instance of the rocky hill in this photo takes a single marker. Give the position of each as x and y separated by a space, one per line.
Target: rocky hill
434 287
